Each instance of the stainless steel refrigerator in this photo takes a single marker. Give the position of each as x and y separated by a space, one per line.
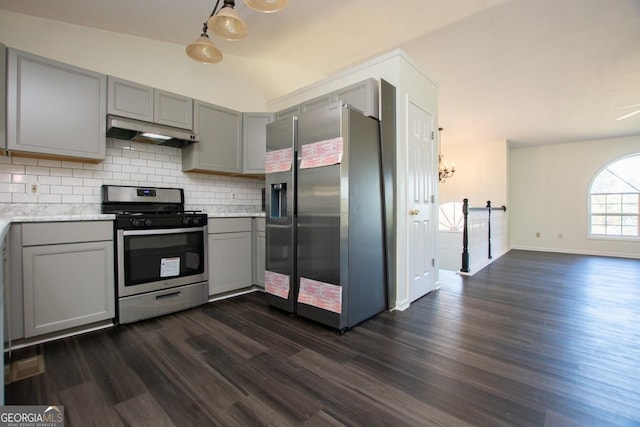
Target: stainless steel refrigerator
337 231
280 199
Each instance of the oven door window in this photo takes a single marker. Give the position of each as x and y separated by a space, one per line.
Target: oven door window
154 257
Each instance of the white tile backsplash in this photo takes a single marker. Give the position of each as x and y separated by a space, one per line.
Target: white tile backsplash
74 188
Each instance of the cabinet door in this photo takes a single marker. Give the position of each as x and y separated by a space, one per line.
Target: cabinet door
254 135
172 110
129 99
229 262
3 96
54 108
362 96
289 112
67 286
315 103
220 145
259 252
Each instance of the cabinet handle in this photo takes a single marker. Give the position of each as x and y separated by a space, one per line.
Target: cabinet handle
414 212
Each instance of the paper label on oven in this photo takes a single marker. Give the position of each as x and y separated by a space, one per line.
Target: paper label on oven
276 284
320 294
322 153
278 160
170 267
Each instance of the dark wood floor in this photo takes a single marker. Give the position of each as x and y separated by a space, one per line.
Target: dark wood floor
534 339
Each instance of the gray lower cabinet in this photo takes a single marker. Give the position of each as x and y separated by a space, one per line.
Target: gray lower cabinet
254 135
230 259
68 275
220 145
3 97
55 108
259 251
137 101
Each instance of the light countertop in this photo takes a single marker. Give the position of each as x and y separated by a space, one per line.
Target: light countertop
107 217
54 218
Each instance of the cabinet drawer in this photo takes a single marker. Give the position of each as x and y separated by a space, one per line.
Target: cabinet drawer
229 225
51 233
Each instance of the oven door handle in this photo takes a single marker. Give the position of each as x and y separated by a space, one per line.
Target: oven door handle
163 231
171 295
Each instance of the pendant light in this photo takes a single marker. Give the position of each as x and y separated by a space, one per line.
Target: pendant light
227 24
203 50
267 6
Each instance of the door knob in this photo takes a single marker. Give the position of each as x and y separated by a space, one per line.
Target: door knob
414 212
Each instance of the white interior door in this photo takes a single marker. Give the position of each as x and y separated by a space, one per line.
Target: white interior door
420 238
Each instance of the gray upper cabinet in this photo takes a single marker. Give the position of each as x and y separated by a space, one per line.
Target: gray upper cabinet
172 110
3 97
289 112
129 99
254 135
362 96
315 103
220 146
55 108
136 101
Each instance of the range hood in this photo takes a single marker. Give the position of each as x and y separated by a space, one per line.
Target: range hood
153 133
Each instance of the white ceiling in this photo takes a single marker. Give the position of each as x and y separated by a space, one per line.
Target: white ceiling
527 71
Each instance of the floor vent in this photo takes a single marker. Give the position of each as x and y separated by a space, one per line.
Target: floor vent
24 368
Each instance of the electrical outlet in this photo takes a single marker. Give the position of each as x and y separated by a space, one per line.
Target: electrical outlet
34 188
233 196
537 234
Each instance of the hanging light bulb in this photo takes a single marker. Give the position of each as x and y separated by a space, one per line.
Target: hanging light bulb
203 49
444 171
267 6
227 23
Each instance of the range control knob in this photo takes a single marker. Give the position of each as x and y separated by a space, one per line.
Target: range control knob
196 220
147 222
135 222
186 220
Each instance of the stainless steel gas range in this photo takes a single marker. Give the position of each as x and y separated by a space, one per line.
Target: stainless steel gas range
161 251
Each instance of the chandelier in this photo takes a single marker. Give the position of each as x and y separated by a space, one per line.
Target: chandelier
227 24
443 170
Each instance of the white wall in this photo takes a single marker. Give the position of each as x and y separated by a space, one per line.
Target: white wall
235 83
481 175
549 189
481 172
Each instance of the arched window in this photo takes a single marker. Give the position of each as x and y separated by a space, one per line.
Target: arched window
614 205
